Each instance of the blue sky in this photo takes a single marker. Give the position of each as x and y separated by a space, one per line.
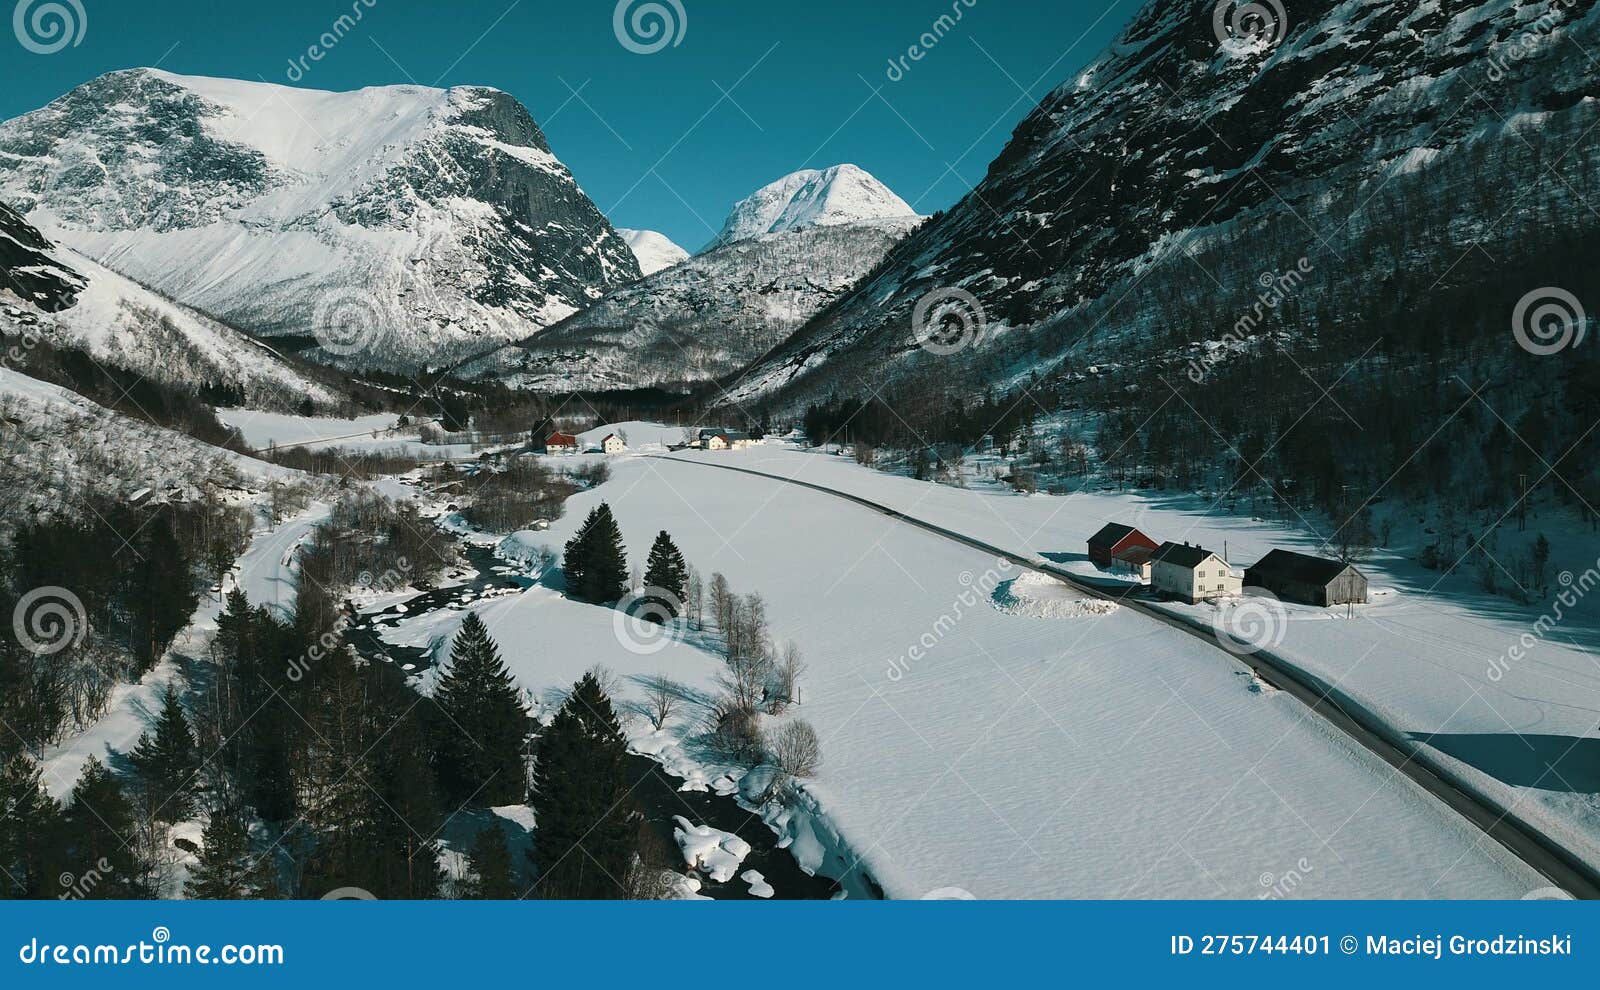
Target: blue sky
667 140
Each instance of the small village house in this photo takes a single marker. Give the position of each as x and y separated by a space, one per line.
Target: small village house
613 444
725 440
561 443
1298 577
1134 562
1192 573
1115 538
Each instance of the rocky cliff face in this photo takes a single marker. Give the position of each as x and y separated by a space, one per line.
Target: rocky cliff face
1204 151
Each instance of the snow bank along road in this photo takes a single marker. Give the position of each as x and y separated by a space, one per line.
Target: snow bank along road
1534 848
1023 755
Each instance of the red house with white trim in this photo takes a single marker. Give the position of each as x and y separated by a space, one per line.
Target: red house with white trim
561 443
1114 539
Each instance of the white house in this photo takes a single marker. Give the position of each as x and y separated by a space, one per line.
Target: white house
613 444
1192 573
725 440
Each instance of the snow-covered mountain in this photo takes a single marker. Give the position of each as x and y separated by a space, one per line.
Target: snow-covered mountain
1137 211
655 251
703 318
49 293
843 194
389 227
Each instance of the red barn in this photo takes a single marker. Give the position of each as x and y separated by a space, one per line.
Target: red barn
561 442
1115 538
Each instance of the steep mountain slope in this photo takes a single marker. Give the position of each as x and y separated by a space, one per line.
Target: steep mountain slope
705 317
51 294
389 227
1376 149
843 194
655 251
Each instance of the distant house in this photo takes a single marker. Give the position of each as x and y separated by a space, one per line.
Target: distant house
1297 577
725 440
1114 538
1134 561
561 443
613 444
1192 573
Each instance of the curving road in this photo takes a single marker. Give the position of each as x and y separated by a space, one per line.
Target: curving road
1562 867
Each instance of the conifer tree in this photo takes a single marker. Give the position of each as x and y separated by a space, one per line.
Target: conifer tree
595 562
482 725
667 577
489 876
101 834
589 824
30 830
168 762
229 870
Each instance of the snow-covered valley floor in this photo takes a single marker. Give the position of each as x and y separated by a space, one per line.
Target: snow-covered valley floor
1002 740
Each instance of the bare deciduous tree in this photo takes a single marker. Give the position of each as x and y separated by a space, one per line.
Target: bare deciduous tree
661 699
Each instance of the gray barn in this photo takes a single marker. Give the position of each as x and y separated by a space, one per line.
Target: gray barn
1297 577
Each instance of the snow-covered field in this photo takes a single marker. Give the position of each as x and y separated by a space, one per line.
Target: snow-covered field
999 739
1431 656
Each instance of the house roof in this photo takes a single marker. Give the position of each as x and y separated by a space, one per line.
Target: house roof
1291 566
728 435
1182 554
609 436
563 438
1111 534
1136 555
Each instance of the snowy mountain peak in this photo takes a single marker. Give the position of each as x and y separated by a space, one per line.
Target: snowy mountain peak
813 198
430 223
655 251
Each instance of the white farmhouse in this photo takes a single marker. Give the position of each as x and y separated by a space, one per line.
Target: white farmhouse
613 444
1192 573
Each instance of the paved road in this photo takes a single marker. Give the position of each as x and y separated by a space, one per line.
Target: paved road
1563 868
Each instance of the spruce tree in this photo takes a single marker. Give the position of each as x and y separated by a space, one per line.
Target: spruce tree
168 762
489 876
229 870
482 724
608 573
667 577
589 824
578 554
30 831
101 833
